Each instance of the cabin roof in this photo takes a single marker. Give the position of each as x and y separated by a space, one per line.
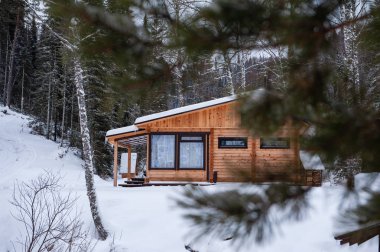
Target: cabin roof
171 112
185 109
127 129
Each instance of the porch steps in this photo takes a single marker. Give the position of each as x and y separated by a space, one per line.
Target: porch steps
138 179
131 182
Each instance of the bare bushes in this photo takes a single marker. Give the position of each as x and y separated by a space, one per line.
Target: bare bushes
49 218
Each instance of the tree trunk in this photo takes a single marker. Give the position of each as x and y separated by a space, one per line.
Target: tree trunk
63 107
87 149
53 111
48 110
22 89
227 62
351 59
242 61
5 71
71 121
229 78
55 124
177 75
11 75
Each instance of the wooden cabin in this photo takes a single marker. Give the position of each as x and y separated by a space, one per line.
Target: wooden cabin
205 142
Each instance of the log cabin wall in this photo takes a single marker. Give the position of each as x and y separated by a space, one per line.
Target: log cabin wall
224 121
278 164
233 164
220 116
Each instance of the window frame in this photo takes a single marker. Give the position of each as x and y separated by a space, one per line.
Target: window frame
220 139
150 151
287 139
179 141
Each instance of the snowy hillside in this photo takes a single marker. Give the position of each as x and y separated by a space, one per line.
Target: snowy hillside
142 219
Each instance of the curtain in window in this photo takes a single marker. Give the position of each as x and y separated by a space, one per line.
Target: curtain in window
191 155
163 150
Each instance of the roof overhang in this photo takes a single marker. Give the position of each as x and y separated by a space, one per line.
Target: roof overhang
132 138
136 140
123 130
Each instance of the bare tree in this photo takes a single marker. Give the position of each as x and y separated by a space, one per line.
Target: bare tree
49 218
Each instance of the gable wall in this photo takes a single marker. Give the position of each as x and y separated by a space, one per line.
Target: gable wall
222 116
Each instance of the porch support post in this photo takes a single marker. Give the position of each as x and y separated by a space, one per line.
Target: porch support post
115 146
253 159
147 154
129 162
211 155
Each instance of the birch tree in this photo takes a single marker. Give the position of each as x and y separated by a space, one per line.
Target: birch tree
83 122
87 148
88 154
350 45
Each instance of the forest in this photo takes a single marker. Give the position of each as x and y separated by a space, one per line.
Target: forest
81 68
37 76
37 73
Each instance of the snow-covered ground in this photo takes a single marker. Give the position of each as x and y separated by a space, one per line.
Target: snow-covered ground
144 219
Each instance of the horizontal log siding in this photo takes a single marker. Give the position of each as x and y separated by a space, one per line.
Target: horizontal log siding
283 164
233 164
223 116
177 175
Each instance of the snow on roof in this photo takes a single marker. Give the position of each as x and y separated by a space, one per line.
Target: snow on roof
130 128
311 161
185 109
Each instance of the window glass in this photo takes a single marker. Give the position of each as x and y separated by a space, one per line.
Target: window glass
163 151
191 138
232 142
191 155
274 143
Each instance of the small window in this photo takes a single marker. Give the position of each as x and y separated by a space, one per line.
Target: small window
232 142
274 143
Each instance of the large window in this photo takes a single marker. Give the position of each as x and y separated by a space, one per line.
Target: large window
191 152
274 143
232 142
162 151
177 151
